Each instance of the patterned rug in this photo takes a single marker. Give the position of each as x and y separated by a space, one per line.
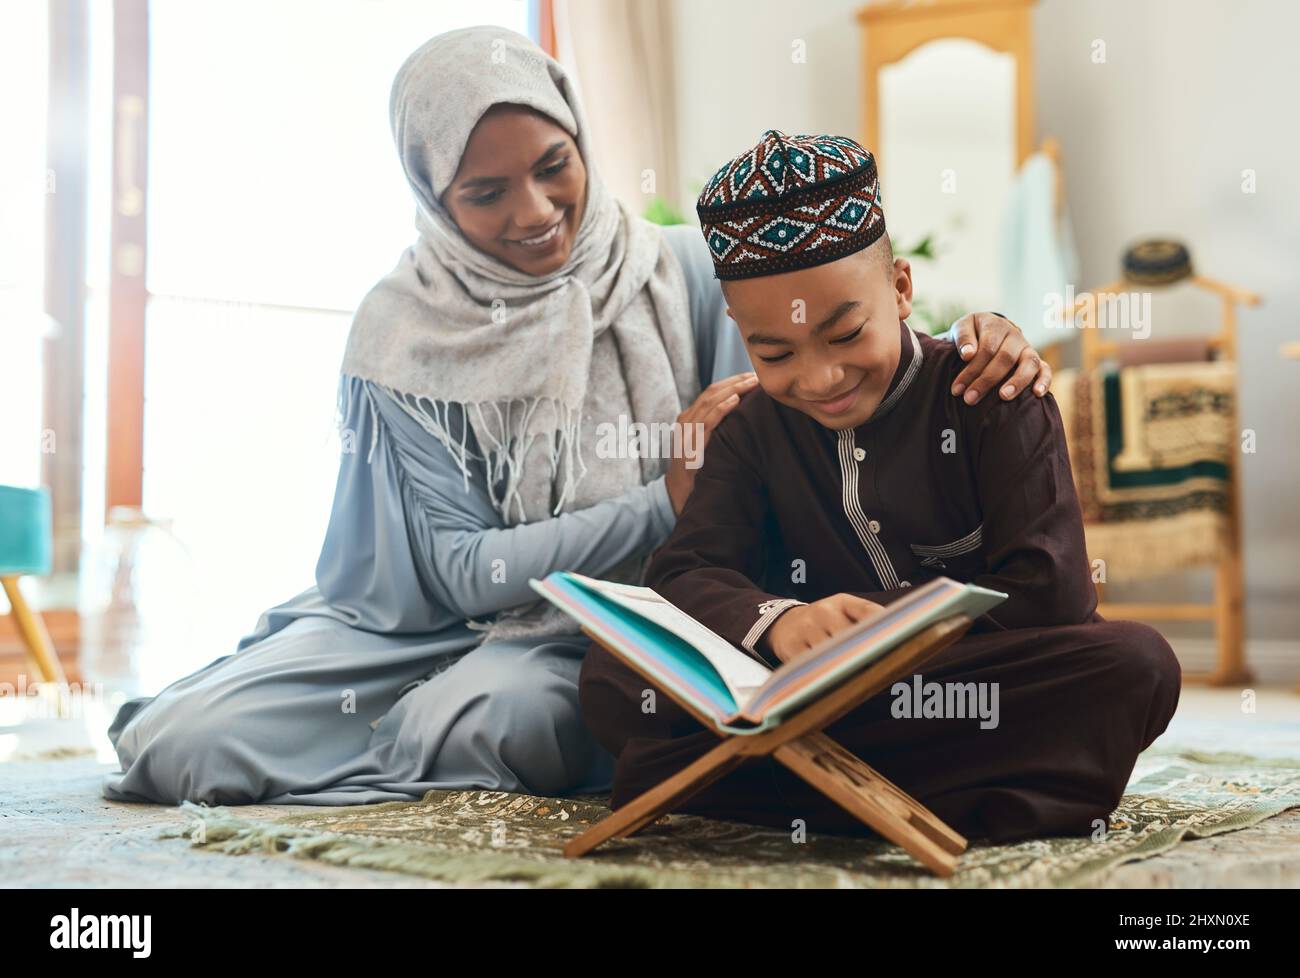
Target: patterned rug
493 837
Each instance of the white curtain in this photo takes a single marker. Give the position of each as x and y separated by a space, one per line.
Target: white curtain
621 52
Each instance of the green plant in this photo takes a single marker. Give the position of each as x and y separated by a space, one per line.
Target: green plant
659 211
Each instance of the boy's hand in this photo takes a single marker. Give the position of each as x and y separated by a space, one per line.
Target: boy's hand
714 403
992 346
801 627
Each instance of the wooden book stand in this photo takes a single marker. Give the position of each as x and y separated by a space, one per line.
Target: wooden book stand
800 745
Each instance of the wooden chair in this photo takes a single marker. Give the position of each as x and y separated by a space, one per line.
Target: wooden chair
1227 610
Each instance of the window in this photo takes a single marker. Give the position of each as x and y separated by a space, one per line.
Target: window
24 183
275 201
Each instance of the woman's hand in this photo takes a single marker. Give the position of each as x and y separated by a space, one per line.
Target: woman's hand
713 404
992 346
803 626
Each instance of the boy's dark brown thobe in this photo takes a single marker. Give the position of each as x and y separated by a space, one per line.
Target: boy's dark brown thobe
785 510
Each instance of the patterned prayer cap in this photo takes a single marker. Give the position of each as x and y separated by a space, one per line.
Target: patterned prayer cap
791 202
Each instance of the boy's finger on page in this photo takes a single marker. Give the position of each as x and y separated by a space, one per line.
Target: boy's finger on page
860 608
842 602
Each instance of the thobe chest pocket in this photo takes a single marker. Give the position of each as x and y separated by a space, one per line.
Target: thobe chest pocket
954 557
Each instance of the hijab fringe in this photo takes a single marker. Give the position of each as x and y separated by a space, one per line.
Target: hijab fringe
506 445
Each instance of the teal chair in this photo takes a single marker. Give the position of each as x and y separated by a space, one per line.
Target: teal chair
25 544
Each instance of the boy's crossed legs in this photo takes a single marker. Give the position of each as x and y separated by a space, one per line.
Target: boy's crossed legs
1076 704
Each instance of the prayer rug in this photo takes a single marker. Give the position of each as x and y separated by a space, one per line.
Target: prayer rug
494 838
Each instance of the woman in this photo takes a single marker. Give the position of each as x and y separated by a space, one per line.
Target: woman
531 309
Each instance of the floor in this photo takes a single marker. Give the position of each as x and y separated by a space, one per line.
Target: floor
56 830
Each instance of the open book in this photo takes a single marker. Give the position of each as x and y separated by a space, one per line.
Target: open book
739 693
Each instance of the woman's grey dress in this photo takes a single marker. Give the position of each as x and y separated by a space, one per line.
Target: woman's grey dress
369 687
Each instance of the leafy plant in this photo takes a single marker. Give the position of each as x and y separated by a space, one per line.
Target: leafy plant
659 211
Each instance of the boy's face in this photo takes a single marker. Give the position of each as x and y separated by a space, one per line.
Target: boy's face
825 340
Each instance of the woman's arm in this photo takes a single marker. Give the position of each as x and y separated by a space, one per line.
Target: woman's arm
406 526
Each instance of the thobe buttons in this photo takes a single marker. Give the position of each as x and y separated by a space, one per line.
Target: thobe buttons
859 453
873 526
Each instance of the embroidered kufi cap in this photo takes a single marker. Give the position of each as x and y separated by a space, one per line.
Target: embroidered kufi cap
791 202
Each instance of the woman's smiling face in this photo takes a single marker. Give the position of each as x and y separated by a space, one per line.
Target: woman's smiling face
520 190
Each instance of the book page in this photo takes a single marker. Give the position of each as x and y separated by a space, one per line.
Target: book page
741 674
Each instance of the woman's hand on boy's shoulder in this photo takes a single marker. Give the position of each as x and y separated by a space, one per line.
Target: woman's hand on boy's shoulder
997 355
714 403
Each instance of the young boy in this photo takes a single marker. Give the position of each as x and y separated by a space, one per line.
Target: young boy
849 476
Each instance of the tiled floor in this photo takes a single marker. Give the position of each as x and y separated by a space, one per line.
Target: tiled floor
56 830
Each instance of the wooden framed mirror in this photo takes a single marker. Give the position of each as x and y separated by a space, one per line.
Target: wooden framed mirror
948 109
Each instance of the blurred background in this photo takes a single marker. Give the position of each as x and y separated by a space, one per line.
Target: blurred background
195 195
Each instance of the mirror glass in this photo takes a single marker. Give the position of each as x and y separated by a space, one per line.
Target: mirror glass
947 158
